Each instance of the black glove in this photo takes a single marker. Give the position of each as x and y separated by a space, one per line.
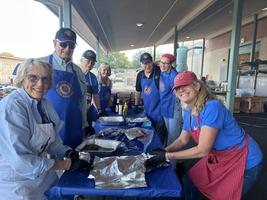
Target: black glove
158 156
75 161
72 154
89 130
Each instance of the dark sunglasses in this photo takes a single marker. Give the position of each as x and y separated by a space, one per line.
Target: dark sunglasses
65 44
35 78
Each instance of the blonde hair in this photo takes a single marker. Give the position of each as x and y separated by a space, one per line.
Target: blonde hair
203 95
100 79
26 66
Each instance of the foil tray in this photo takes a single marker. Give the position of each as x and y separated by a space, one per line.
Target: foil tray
98 147
111 120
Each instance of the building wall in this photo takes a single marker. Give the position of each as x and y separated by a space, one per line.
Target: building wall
7 65
216 51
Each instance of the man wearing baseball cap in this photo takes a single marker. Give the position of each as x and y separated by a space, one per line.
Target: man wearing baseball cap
68 90
147 85
93 101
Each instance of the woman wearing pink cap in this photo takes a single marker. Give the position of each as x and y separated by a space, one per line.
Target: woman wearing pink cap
230 159
170 105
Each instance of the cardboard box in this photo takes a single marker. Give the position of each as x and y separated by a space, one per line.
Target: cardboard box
236 102
252 104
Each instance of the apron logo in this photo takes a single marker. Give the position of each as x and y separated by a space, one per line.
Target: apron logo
64 89
161 86
147 90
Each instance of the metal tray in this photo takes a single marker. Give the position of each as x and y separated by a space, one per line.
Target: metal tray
111 120
136 122
99 147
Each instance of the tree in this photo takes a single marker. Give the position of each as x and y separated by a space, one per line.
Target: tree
6 54
117 60
136 56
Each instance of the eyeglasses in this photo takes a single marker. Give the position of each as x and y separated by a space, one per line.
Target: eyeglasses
163 63
64 45
35 78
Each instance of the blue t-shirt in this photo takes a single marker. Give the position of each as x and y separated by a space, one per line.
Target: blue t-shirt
92 81
215 115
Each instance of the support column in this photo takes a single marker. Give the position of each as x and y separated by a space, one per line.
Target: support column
60 16
97 53
254 38
202 59
154 52
175 45
67 14
235 41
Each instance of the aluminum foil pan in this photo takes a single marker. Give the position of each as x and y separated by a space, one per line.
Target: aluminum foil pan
136 122
111 120
119 172
99 147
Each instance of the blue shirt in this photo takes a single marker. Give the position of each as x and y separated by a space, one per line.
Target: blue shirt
17 113
215 115
92 81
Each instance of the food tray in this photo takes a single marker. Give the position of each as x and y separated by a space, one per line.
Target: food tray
112 120
99 147
136 122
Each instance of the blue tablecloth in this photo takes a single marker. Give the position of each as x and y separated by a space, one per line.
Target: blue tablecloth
162 182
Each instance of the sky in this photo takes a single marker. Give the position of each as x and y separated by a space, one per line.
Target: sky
28 29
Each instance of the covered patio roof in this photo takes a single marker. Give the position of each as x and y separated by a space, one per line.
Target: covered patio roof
114 22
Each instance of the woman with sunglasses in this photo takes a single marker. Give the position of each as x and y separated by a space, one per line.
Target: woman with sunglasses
170 105
67 93
29 132
230 160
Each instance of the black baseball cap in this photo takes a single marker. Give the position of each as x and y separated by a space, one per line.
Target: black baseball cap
146 58
66 35
89 55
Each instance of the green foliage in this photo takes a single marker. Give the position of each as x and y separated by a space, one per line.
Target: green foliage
117 60
6 54
136 56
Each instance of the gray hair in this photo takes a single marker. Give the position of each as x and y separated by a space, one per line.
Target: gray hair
26 66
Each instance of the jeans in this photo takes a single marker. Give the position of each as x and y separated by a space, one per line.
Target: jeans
250 177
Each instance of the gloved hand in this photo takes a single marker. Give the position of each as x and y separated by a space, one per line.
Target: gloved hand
76 162
72 154
158 156
89 130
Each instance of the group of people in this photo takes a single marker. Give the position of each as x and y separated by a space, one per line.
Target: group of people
155 84
45 118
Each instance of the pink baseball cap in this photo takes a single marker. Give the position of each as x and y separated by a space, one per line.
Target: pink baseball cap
170 57
184 78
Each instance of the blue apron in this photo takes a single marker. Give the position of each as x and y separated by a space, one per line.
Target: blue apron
167 97
92 114
151 99
66 95
104 95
